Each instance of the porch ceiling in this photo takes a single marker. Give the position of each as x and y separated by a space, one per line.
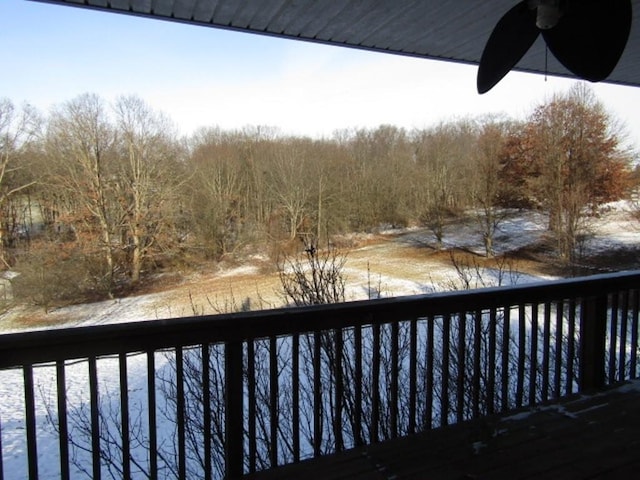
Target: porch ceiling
450 30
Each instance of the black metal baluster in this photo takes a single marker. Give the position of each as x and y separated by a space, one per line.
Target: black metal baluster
413 373
506 350
295 395
206 409
339 390
613 336
124 416
571 346
429 367
634 333
63 429
491 374
95 417
557 376
375 385
357 345
546 352
393 407
251 394
274 414
180 413
522 332
461 360
477 368
317 395
30 421
624 325
533 371
444 396
153 428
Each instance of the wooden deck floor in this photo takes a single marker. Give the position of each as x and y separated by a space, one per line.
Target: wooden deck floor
589 437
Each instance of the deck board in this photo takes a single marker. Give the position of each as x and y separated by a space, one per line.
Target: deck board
595 437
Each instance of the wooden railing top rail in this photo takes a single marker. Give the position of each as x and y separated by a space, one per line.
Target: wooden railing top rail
81 342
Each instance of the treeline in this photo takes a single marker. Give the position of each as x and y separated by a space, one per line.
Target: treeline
94 196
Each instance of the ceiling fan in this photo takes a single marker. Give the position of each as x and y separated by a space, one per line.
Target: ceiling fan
586 36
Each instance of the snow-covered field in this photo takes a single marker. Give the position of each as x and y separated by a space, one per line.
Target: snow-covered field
398 263
391 263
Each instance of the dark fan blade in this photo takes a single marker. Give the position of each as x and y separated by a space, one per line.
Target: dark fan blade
511 38
590 37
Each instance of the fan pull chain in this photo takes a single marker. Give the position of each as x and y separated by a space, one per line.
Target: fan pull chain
546 60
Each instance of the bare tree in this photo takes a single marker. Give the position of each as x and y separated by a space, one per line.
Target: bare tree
18 127
80 144
217 201
146 177
315 279
443 154
288 182
488 181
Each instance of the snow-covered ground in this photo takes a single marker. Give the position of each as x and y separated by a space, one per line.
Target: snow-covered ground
398 263
391 263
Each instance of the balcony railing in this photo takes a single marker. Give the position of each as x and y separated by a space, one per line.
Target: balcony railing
221 396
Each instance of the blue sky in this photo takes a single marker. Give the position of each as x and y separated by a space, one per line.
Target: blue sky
203 77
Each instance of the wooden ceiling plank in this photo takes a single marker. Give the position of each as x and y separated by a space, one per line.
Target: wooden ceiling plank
141 6
203 11
343 26
225 13
396 23
262 17
291 11
124 5
183 9
162 8
247 11
317 15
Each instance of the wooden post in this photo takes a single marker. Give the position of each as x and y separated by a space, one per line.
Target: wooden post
593 330
233 410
